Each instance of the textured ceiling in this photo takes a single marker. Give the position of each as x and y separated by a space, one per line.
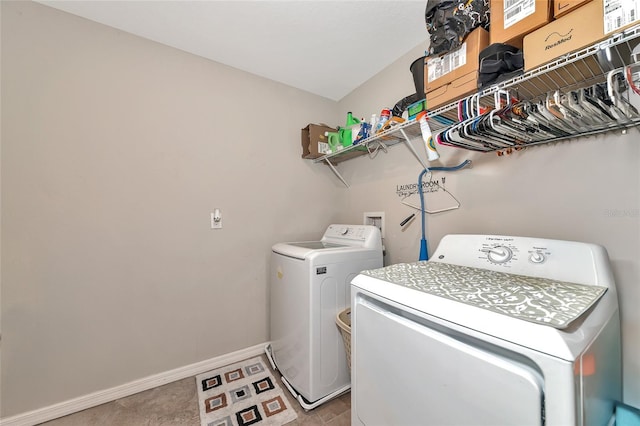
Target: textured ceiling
324 47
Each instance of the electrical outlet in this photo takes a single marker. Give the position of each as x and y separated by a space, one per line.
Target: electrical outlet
216 219
375 219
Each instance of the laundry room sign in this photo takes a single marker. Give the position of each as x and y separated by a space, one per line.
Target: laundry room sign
436 196
432 185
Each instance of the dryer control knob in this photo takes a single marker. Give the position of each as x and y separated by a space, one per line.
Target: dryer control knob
499 254
537 257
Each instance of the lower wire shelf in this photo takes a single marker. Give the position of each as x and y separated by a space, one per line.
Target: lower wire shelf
402 133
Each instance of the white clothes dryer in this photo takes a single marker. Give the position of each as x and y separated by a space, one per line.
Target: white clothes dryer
493 330
310 286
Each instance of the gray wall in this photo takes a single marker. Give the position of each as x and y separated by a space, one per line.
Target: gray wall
115 150
585 189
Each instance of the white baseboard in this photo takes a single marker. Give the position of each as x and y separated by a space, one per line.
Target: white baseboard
71 406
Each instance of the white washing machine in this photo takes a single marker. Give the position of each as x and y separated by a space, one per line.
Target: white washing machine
309 287
493 330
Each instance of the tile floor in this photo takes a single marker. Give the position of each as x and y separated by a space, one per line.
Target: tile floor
177 404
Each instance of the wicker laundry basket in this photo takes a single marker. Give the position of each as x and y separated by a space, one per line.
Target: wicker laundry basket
343 320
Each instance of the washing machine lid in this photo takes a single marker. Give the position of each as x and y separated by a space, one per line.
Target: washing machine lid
304 249
316 245
337 238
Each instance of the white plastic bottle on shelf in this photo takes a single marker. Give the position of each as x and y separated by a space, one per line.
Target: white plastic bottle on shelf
427 137
373 124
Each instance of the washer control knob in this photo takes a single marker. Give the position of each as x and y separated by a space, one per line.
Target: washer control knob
537 257
499 254
344 231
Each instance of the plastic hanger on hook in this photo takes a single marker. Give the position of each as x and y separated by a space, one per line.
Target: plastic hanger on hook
625 111
430 171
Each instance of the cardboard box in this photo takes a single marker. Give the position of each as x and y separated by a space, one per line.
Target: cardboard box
520 18
576 30
619 15
562 7
444 69
314 142
458 88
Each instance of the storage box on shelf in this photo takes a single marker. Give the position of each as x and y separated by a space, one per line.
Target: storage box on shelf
458 88
619 15
455 74
511 21
314 142
564 35
444 69
582 26
562 7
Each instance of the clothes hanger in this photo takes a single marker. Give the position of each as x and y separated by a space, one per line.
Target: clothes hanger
481 129
379 146
615 79
454 136
491 139
543 109
418 208
632 75
534 116
500 125
571 115
552 105
537 130
596 97
588 116
461 116
557 114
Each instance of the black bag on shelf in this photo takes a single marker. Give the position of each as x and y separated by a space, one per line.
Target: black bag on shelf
449 21
499 62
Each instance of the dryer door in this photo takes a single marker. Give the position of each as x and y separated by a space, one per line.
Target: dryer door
408 371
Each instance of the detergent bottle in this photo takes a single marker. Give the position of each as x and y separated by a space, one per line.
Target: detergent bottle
346 133
351 120
334 141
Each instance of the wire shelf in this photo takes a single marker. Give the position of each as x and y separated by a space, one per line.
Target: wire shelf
382 140
569 72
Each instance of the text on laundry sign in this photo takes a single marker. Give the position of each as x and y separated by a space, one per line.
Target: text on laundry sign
414 188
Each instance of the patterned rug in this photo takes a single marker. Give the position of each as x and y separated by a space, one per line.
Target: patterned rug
242 394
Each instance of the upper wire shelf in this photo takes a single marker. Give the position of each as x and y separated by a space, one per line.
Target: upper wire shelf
569 72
